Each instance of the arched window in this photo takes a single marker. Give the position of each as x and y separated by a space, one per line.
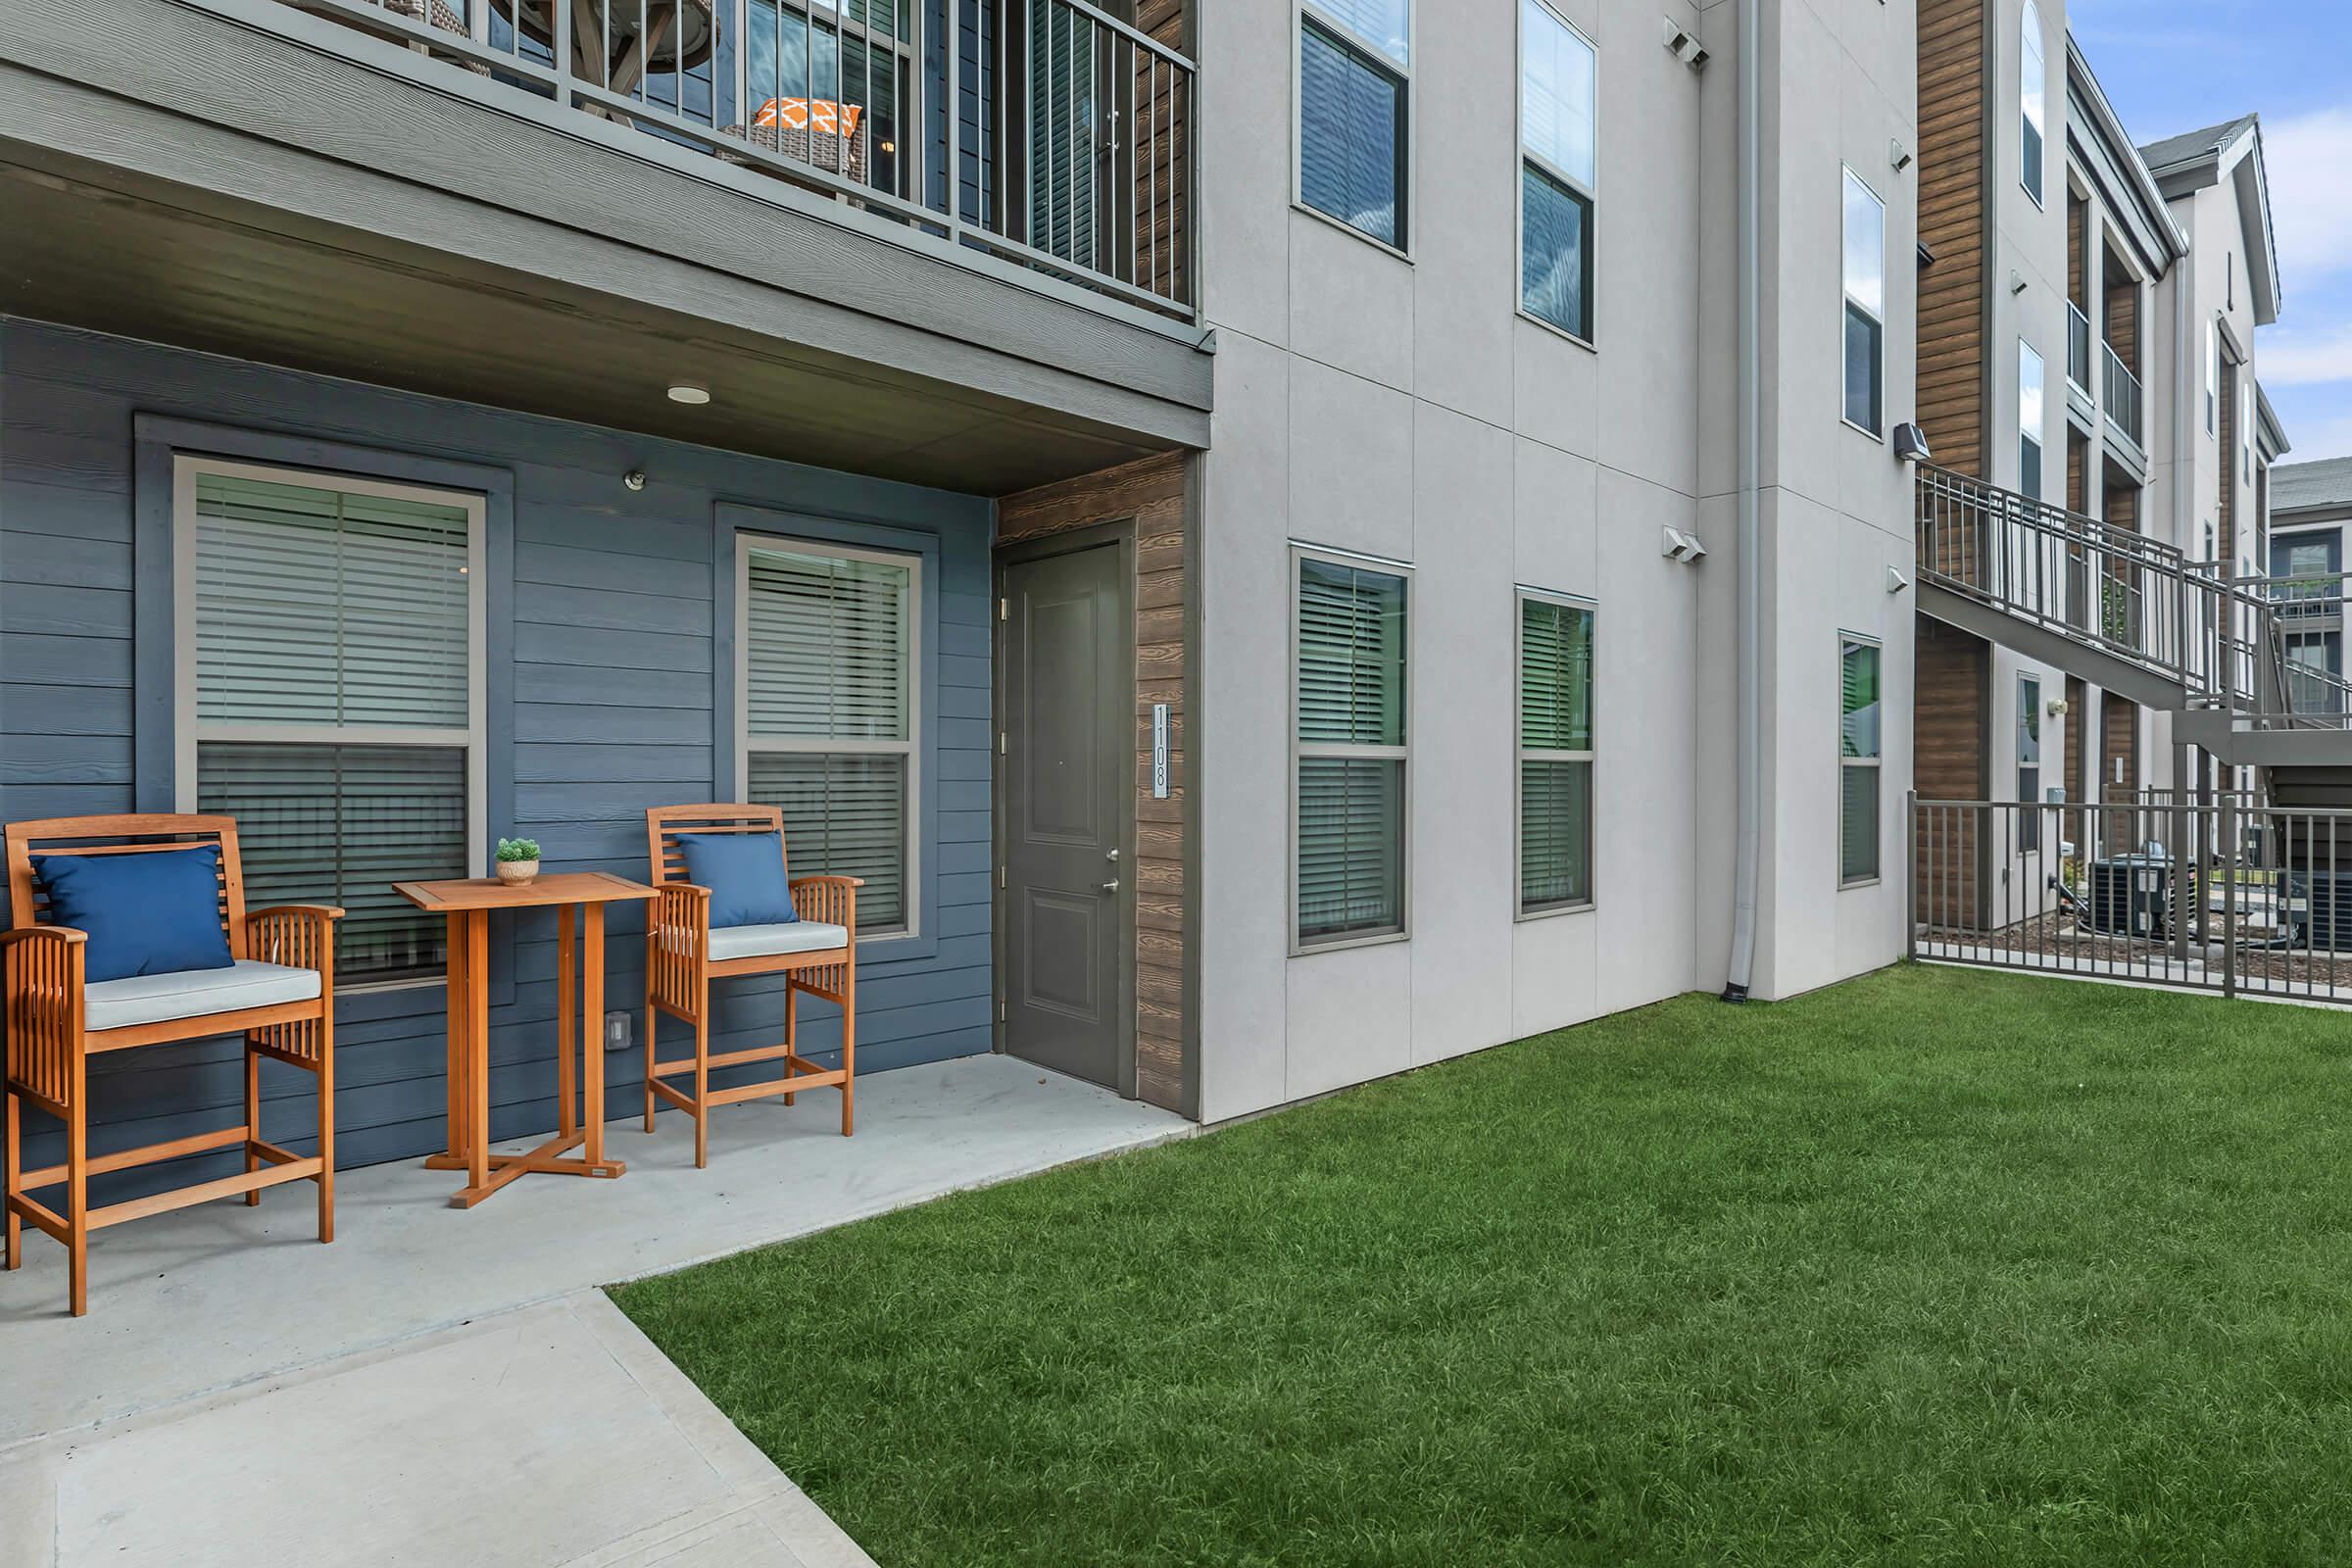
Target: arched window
2029 92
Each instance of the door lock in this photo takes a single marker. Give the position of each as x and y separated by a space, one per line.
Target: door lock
1112 886
1111 854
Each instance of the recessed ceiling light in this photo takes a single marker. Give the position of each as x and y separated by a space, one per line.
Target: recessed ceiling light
687 392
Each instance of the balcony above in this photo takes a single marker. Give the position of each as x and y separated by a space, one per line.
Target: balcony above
427 194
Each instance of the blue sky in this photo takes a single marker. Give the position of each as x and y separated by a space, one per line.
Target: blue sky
2171 66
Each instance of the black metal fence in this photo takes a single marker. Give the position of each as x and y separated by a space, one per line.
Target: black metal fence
2209 893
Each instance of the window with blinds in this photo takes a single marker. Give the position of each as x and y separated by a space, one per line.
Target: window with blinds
1354 78
1555 755
829 719
1858 742
330 703
1351 752
1558 77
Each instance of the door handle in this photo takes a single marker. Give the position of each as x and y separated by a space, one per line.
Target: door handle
1112 886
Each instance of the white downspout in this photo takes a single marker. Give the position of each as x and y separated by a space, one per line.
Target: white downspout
1747 863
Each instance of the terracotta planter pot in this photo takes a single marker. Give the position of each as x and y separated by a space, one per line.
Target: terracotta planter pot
518 873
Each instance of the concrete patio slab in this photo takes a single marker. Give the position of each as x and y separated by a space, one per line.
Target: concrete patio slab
550 1434
208 1298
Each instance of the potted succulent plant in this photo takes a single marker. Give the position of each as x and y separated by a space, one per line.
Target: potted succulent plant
517 861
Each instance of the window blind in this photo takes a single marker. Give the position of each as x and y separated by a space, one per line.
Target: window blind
1351 731
1351 136
317 606
1858 763
322 823
1350 655
844 815
1062 132
1556 761
327 615
828 647
829 717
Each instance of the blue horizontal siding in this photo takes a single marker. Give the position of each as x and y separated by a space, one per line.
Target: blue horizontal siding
615 708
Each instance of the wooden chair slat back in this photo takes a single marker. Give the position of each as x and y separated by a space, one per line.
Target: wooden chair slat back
129 833
664 825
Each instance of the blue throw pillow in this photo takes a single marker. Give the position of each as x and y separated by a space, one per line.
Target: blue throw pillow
745 873
148 914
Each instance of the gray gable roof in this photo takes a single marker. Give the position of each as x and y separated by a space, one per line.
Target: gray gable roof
2174 151
2298 485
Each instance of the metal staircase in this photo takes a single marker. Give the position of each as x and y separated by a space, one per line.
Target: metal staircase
2133 615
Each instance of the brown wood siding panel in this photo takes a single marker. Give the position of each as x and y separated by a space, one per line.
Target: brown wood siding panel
2077 718
1160 140
1947 762
2228 548
2121 318
2121 506
2077 271
2118 742
1151 495
1950 377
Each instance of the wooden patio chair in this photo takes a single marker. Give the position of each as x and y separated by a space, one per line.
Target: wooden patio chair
279 991
817 955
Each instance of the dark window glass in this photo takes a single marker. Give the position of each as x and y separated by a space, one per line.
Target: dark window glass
1351 136
1556 258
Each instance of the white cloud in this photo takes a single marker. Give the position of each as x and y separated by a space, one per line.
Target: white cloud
2311 196
2291 358
2329 436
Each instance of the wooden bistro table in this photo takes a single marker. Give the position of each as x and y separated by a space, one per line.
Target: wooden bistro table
468 905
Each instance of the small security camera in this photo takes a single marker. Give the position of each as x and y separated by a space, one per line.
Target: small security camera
634 478
1686 48
1898 155
1911 444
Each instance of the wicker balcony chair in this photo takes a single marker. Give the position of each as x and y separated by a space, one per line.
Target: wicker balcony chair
278 991
817 955
810 131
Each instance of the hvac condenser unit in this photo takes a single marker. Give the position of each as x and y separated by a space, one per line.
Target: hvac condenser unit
2318 910
2129 896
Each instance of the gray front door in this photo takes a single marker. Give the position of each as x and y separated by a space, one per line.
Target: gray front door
1069 749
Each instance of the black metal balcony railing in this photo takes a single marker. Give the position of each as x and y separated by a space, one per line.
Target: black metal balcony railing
2078 347
2245 646
2121 394
1048 132
2108 587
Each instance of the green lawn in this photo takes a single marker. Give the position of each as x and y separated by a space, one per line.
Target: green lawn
1934 1268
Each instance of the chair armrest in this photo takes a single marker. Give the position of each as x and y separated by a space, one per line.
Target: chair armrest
43 960
681 905
43 968
300 936
44 932
832 899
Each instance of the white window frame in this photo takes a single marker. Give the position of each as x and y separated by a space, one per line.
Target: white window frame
187 729
1551 170
1302 552
1877 765
2029 41
2244 404
2029 711
1302 12
2027 354
1847 173
2213 378
751 540
1523 755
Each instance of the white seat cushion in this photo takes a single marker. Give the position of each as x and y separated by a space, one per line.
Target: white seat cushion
189 993
770 941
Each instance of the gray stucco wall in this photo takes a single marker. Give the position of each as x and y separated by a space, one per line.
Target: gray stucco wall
607 694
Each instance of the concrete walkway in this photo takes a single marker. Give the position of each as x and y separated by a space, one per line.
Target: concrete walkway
442 1385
